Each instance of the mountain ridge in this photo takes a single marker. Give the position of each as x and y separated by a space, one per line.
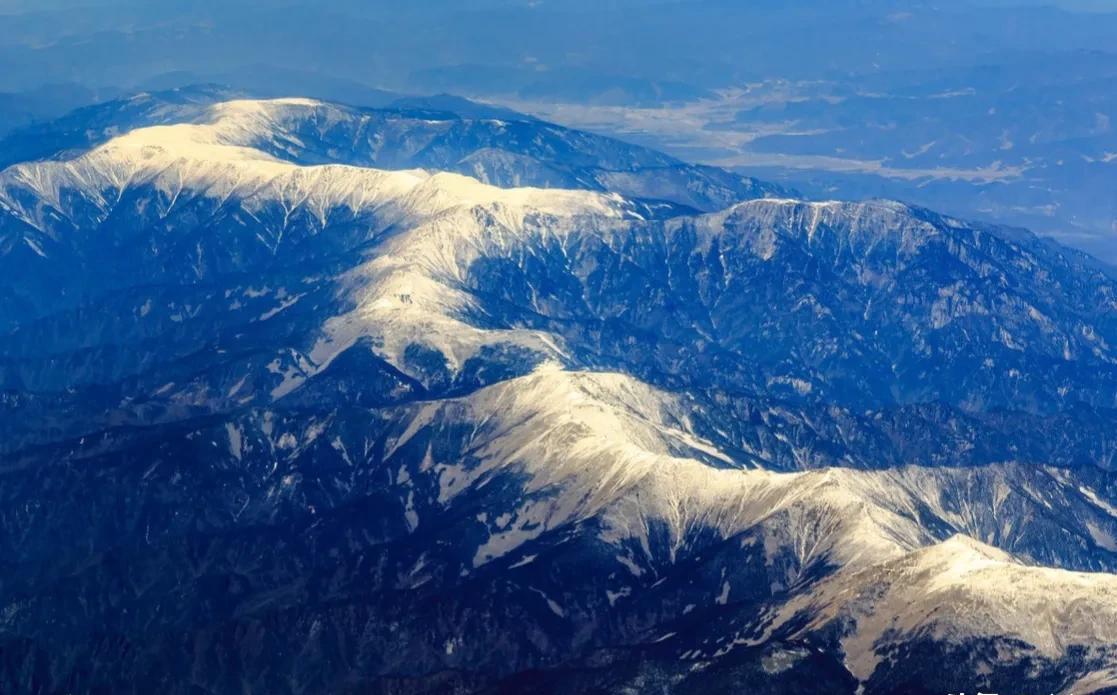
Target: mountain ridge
421 432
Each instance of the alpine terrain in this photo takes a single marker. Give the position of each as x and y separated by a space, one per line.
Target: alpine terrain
297 397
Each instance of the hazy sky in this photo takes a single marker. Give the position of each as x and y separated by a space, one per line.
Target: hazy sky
475 46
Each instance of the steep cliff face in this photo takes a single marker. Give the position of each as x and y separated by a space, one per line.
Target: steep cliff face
282 413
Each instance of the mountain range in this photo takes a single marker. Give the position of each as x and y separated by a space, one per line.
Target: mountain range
435 397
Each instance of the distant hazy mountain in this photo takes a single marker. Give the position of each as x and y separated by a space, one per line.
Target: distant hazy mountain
46 103
292 405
